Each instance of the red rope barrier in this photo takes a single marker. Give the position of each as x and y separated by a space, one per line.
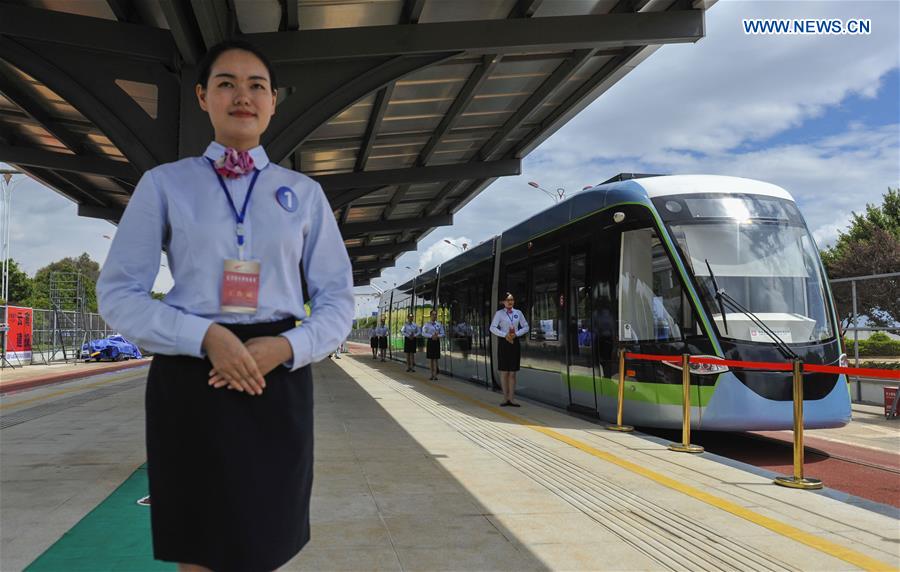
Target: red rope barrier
865 371
772 366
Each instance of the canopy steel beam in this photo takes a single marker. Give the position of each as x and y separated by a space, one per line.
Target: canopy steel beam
371 265
105 213
560 76
463 98
414 175
412 11
185 31
62 162
603 79
434 205
124 11
299 118
375 118
85 100
27 98
525 8
215 19
352 229
382 249
345 198
290 16
551 34
395 200
95 34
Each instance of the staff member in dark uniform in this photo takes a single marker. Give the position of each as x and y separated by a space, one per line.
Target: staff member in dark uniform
508 325
229 394
373 343
433 331
381 337
410 332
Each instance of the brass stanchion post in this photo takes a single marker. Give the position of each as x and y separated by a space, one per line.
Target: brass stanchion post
797 481
685 446
618 426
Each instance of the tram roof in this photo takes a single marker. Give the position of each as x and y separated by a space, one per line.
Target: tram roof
404 110
596 198
666 185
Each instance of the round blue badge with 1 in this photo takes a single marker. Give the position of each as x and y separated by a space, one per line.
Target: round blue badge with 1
286 198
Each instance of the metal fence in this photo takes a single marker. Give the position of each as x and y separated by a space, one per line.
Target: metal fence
67 345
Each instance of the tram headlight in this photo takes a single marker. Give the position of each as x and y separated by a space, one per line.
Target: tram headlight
701 368
618 216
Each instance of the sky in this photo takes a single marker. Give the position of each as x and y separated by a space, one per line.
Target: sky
818 115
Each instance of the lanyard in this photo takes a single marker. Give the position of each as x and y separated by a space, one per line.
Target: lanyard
238 216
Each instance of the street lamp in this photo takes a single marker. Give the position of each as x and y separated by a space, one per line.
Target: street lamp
462 248
559 195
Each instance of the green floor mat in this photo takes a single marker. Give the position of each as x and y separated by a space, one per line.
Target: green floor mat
115 536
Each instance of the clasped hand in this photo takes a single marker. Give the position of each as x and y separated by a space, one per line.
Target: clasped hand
241 366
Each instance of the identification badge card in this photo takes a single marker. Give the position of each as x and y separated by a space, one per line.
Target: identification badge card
240 286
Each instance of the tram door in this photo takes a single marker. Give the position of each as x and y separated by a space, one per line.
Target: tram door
582 385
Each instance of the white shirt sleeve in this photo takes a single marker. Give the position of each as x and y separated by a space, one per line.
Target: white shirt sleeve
123 289
522 328
329 282
495 325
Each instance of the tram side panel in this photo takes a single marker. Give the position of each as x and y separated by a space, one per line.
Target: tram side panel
463 299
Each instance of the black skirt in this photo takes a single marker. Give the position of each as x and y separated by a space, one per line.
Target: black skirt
508 354
382 343
230 474
373 342
409 345
433 349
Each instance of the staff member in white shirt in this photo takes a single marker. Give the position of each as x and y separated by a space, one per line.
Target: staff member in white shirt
410 332
508 325
433 331
229 407
381 337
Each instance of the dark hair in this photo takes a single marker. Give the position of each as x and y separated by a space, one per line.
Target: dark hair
509 295
206 64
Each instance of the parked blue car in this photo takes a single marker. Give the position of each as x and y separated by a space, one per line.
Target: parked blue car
115 348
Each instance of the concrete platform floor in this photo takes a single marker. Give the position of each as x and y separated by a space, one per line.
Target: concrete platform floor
414 475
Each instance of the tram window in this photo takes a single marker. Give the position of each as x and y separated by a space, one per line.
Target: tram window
652 303
545 307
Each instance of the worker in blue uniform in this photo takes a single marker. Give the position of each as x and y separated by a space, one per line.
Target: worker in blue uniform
433 332
381 338
229 393
410 333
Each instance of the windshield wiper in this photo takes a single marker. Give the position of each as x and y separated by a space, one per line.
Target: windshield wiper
718 295
724 298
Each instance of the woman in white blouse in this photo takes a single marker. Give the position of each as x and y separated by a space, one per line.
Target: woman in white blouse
229 401
508 326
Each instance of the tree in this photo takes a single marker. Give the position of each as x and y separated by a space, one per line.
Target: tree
871 245
89 270
19 286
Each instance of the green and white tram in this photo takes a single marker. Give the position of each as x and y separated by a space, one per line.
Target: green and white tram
700 264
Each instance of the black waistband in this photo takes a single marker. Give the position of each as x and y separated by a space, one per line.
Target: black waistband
247 331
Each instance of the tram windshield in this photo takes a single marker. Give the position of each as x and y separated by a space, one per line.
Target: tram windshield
769 264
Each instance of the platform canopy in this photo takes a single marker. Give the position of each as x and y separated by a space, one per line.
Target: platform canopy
404 110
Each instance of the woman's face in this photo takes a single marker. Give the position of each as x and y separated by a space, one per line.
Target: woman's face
509 303
238 98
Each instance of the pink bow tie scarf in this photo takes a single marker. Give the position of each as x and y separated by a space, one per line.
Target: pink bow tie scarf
234 163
